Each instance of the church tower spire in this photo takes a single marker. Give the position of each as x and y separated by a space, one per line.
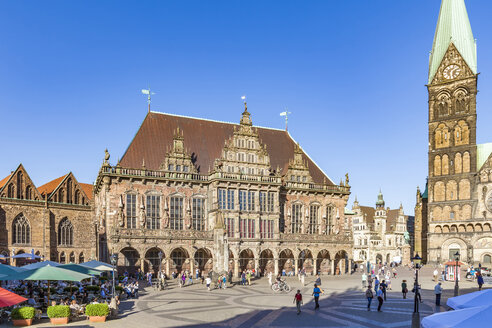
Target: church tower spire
453 27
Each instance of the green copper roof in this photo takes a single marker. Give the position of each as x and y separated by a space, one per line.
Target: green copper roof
426 192
483 152
453 26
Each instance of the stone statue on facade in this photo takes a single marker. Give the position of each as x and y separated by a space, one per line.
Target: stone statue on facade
142 216
121 213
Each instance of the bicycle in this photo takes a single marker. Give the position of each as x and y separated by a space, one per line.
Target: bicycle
281 286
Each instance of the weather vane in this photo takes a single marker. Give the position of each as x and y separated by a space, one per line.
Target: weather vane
149 94
286 114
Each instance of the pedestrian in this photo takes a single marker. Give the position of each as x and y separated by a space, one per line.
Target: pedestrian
248 277
438 292
224 282
270 278
376 284
479 281
369 281
298 301
369 296
383 287
316 292
379 295
183 279
230 277
243 278
318 280
208 282
197 273
416 290
303 278
394 272
191 279
404 288
364 280
435 275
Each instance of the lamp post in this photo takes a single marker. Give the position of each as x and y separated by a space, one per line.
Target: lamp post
114 260
417 292
456 273
160 269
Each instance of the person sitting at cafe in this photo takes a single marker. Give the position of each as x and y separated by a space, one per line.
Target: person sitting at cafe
31 300
75 308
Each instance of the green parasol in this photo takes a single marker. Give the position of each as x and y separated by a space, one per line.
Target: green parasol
47 273
9 270
80 269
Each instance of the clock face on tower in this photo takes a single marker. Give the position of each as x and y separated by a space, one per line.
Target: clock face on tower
451 72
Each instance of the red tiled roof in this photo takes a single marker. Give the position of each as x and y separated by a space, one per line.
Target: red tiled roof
4 181
48 188
368 213
87 188
204 139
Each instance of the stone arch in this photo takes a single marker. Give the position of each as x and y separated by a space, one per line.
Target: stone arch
466 212
461 228
439 191
323 262
341 262
379 258
130 259
306 261
246 260
81 257
486 227
437 229
21 230
179 260
441 136
445 229
204 260
461 98
461 134
286 262
152 261
453 228
437 165
458 163
469 228
437 213
63 258
451 190
267 263
451 245
487 259
445 164
464 188
478 227
442 105
466 162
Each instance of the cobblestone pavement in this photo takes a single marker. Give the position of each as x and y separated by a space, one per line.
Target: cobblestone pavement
342 305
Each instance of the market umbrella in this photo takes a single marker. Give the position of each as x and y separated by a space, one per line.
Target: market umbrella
470 300
47 273
471 317
40 265
8 298
25 256
98 265
81 269
8 270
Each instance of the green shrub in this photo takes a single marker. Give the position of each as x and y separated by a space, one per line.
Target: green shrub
52 290
70 289
25 312
118 289
59 311
97 310
92 288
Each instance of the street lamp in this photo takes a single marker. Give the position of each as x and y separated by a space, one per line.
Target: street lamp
417 292
114 260
160 268
456 273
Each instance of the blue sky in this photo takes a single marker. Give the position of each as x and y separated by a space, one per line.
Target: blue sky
352 73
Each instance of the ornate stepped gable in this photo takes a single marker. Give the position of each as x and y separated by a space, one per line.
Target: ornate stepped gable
298 170
210 143
178 158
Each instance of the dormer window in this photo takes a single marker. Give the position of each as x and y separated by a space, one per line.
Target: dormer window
170 167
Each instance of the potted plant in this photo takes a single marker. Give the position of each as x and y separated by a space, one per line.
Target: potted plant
97 312
59 314
23 316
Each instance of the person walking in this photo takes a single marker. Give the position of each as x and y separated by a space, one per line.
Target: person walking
438 292
298 301
318 280
243 278
383 286
248 277
404 289
224 282
369 296
316 292
435 275
208 282
270 278
479 281
379 295
364 280
376 284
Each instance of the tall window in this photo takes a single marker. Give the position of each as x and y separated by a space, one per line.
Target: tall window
313 219
21 231
296 218
131 211
230 199
222 199
19 185
330 219
153 212
263 201
229 223
243 201
198 214
77 197
176 213
10 191
28 192
247 228
65 233
271 201
60 196
69 191
266 228
251 200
